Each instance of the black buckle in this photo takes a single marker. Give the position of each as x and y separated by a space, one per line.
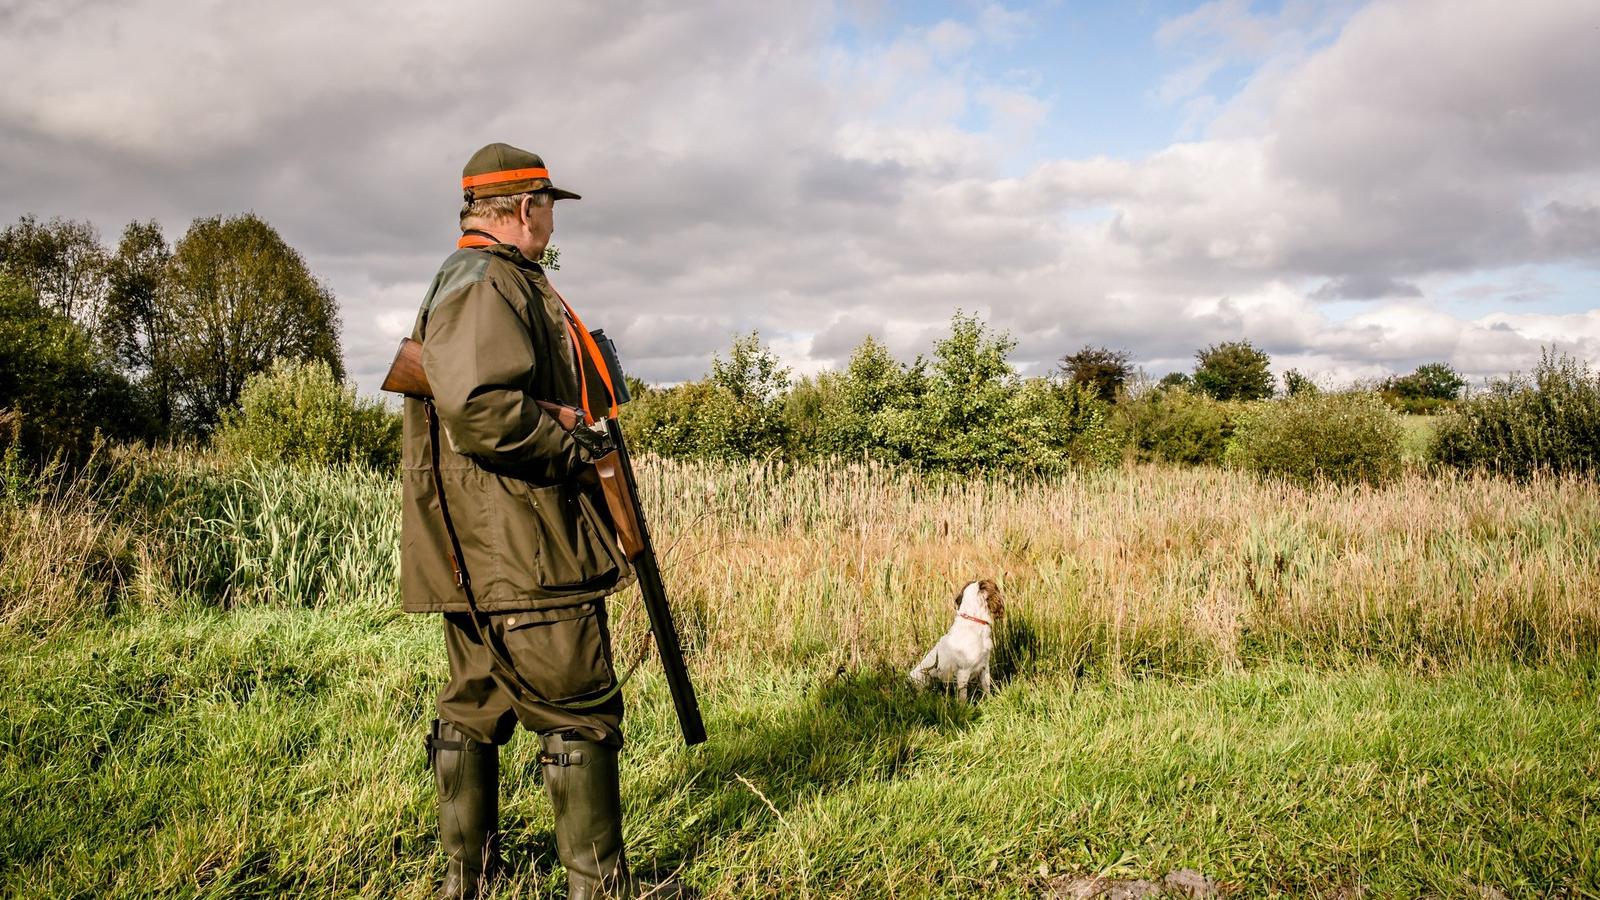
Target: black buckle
563 759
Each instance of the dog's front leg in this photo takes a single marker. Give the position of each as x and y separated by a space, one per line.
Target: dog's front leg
963 680
985 683
921 672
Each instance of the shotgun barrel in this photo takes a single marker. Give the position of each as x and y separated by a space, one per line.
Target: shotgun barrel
654 591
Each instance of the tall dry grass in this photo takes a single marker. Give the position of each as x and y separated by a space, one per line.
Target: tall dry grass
1147 567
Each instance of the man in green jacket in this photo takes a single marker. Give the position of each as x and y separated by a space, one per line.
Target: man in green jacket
516 553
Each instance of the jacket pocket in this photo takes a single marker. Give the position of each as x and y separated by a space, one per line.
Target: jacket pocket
573 553
564 653
550 541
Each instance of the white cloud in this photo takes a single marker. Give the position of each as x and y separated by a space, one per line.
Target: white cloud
739 170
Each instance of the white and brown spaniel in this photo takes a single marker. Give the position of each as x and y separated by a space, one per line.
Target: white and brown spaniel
961 658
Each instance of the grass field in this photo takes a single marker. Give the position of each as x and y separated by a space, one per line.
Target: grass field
1417 436
209 691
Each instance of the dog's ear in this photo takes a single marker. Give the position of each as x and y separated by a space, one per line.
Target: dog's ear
991 596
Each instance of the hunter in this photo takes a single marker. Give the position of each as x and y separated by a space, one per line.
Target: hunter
503 536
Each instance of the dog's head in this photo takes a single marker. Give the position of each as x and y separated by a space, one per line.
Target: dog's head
986 592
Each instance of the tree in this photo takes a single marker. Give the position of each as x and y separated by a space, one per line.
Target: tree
743 411
1433 381
240 298
1175 380
751 373
60 262
137 322
1296 383
53 375
969 388
1099 369
876 391
1234 370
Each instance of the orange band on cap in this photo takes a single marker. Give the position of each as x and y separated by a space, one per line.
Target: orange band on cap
503 176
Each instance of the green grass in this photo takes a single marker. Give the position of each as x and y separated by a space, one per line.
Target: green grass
206 688
1417 436
278 751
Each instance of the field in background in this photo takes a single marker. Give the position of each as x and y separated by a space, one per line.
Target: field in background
210 689
1418 435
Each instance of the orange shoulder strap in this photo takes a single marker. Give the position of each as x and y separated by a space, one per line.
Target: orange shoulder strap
584 345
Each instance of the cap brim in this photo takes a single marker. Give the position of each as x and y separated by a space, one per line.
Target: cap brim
559 194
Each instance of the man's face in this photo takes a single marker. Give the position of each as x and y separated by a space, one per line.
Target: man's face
537 221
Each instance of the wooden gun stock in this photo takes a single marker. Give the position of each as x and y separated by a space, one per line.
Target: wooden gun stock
405 373
621 502
406 376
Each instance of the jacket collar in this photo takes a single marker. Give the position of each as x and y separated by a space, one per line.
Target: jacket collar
473 239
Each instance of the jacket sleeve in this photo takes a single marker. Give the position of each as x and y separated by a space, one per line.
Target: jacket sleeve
480 362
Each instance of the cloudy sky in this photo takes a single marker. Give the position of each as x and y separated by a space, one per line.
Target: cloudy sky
1355 187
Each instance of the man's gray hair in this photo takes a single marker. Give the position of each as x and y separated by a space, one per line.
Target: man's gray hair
498 209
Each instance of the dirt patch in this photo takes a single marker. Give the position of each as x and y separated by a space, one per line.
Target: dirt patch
1180 883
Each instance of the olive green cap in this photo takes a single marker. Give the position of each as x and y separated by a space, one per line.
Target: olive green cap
500 170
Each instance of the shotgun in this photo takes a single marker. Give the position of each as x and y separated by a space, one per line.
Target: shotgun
614 470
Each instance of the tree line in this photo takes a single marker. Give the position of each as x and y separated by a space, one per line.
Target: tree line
1237 370
226 336
149 340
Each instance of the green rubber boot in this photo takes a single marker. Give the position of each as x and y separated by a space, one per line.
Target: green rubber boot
581 777
467 773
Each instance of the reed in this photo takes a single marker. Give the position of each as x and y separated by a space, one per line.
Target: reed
1144 567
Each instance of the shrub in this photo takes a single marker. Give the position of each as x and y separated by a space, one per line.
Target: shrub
1234 370
1340 437
1520 426
299 412
55 381
1104 370
818 421
963 411
1296 382
1051 427
1430 389
1175 424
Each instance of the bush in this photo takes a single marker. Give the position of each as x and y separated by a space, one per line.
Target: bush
1051 427
1234 370
1102 369
963 411
1176 424
817 419
1296 382
298 412
702 420
1520 426
966 411
1340 437
55 381
1429 389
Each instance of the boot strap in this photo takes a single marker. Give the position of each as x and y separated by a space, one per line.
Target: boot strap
566 758
468 745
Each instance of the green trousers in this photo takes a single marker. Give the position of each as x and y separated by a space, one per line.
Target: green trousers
564 655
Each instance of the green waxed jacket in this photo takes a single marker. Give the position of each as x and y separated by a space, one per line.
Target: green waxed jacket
532 537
